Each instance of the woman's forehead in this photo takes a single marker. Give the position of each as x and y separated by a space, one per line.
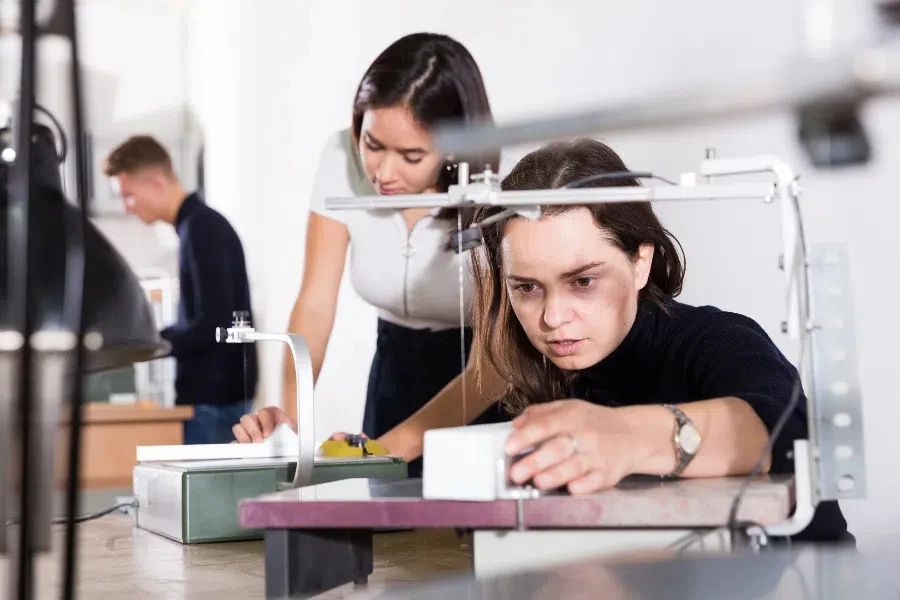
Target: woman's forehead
559 243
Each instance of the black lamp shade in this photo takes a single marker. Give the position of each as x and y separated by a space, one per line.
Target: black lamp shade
118 318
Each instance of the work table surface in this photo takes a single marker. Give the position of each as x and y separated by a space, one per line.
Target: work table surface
640 502
119 561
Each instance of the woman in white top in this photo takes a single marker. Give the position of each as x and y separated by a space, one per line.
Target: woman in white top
400 261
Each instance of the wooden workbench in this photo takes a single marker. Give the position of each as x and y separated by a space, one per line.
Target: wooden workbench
119 561
111 435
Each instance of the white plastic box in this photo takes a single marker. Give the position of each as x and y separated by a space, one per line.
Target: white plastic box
465 463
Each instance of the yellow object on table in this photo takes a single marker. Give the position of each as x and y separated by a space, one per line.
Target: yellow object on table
348 449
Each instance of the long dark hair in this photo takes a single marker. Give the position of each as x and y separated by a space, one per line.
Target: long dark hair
438 80
499 337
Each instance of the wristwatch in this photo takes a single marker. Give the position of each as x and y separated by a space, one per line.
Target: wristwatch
686 441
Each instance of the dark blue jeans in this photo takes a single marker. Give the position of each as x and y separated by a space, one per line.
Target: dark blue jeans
212 423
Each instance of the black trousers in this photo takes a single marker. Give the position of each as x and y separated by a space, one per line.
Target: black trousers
409 368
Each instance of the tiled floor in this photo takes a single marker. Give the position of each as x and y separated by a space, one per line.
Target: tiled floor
119 561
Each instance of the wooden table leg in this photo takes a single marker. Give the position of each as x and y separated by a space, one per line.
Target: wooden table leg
307 561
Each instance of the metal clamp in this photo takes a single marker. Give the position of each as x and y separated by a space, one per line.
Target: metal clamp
242 332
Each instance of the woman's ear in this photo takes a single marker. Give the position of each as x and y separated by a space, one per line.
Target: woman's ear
642 265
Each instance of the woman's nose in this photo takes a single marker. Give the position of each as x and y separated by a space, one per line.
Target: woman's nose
557 311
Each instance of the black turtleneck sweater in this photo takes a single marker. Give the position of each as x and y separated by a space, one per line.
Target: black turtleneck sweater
686 353
213 282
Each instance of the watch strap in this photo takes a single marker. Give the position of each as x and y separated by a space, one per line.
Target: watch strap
682 458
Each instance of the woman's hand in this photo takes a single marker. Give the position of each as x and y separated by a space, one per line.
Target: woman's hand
343 435
255 427
584 446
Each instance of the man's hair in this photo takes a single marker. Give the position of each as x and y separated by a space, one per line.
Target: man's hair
137 153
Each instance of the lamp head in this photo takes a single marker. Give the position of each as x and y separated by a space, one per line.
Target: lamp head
118 318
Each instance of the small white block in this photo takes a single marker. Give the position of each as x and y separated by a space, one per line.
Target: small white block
464 463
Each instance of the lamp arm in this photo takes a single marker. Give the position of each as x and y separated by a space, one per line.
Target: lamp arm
242 332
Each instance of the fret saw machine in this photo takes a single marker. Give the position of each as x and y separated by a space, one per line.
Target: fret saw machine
190 493
469 464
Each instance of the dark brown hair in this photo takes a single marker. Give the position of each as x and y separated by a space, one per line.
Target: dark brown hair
136 153
499 337
438 80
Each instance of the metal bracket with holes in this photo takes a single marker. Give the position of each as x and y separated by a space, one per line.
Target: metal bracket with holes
837 432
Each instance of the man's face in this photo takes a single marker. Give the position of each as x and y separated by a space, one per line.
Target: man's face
142 193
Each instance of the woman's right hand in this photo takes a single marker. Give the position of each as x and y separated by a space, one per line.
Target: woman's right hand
255 427
343 435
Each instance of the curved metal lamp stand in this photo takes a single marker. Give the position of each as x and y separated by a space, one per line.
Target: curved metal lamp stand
242 332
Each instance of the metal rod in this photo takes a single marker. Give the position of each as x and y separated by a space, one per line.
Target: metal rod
852 76
75 273
393 202
21 294
667 193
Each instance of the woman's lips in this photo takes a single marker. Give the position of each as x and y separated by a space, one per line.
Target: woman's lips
565 347
389 191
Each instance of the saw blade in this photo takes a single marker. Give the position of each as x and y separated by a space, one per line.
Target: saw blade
462 313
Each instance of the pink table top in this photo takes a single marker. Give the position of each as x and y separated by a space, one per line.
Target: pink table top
636 502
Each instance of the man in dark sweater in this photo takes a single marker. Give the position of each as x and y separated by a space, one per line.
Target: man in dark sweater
218 380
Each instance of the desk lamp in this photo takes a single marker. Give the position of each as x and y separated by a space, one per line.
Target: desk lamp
69 304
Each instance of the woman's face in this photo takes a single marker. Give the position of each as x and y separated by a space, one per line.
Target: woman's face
575 294
397 153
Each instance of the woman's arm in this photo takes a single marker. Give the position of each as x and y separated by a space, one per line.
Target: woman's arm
446 409
746 384
733 438
327 241
592 447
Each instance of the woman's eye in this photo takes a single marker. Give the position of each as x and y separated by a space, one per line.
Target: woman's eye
584 282
372 147
413 160
525 288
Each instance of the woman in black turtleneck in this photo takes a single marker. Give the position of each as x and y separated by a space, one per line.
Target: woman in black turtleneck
577 307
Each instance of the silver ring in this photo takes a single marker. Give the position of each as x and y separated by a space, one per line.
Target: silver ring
574 442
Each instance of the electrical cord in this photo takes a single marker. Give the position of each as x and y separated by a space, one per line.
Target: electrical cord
732 522
87 517
683 543
63 140
470 237
617 175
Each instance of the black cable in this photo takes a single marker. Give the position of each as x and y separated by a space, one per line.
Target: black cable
470 237
63 140
75 280
617 175
87 517
732 523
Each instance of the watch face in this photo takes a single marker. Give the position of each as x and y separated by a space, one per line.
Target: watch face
689 438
